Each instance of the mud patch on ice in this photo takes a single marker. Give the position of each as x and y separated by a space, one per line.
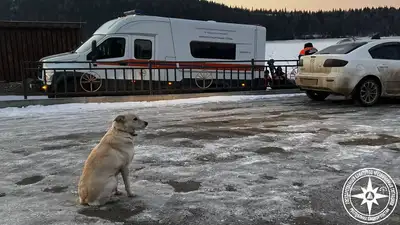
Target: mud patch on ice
222 109
53 147
112 212
301 116
186 186
265 178
214 158
212 134
332 131
382 139
30 180
276 131
182 142
234 122
23 152
222 115
56 189
298 184
269 150
230 188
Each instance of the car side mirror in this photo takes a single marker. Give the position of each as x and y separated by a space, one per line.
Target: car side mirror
94 50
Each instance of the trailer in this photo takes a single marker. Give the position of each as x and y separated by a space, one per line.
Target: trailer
142 48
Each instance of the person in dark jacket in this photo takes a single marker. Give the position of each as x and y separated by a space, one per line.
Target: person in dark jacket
307 50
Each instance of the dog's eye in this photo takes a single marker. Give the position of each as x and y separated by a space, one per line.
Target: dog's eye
135 119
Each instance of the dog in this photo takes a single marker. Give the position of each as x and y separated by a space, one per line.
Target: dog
111 156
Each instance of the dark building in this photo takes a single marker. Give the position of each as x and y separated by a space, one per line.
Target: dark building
28 41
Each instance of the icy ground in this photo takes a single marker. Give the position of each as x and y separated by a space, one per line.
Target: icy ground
276 159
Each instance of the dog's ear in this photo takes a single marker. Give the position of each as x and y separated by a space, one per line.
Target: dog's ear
120 119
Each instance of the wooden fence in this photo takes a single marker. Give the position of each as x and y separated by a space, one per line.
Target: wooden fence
22 41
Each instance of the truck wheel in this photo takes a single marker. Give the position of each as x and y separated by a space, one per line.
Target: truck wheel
70 86
50 95
368 92
317 95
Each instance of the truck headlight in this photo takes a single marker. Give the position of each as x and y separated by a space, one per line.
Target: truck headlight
49 75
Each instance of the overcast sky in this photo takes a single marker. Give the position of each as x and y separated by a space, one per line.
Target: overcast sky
310 4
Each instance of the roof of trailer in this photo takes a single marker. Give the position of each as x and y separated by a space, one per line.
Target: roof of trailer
115 24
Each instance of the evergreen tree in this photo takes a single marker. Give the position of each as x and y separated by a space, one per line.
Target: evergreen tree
280 24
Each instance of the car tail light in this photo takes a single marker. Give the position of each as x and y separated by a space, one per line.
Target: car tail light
335 63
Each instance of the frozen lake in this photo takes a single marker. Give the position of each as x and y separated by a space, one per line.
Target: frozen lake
289 50
270 160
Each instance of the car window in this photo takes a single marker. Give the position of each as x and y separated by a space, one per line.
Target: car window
143 49
387 51
213 50
110 48
343 48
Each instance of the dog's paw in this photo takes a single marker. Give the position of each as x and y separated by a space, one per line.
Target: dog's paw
95 203
131 195
117 193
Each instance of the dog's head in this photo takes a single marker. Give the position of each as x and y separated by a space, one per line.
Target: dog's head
129 123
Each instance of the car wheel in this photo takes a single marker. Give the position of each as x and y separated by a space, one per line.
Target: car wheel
368 92
317 95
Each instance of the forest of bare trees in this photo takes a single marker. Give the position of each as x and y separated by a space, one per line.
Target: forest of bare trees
280 24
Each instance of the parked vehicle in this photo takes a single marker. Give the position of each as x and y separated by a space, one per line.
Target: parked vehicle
364 70
135 46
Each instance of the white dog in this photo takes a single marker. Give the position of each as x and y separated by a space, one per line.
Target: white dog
110 157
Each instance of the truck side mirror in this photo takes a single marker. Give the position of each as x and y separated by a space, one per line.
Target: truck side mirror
94 50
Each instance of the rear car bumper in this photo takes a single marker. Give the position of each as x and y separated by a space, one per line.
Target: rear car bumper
333 83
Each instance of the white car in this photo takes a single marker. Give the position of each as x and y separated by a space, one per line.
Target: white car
363 70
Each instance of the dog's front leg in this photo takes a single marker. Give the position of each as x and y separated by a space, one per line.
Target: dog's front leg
116 192
125 174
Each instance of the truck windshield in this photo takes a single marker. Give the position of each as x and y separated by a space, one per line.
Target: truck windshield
88 44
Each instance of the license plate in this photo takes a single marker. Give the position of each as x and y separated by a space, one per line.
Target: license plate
311 82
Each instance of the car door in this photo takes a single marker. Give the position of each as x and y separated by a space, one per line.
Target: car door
387 62
112 60
143 51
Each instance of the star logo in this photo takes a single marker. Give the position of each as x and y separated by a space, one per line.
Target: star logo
363 205
369 196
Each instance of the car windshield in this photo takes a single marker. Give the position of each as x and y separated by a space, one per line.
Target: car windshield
344 48
88 44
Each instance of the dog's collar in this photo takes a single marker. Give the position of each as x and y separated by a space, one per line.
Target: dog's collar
133 134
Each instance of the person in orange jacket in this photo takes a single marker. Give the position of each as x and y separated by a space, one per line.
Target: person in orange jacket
307 50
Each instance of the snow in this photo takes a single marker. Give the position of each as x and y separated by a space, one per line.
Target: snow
246 153
39 110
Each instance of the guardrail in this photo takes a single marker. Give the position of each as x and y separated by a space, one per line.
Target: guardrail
105 78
